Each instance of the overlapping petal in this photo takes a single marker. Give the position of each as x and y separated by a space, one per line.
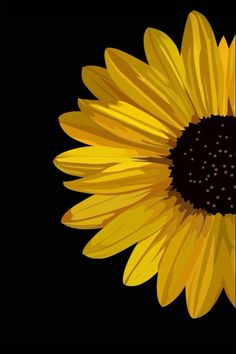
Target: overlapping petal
164 56
231 76
87 161
205 283
203 65
97 210
148 87
145 258
123 178
130 227
101 85
180 256
224 55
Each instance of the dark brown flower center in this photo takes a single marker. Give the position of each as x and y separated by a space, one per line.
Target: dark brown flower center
204 164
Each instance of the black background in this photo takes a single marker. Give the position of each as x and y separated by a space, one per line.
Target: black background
53 294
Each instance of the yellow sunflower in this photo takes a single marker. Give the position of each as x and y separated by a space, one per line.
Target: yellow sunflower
161 164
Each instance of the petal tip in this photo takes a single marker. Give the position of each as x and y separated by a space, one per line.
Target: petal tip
196 16
154 32
87 251
86 70
91 251
67 184
223 41
64 118
67 218
195 13
61 118
126 280
111 53
194 314
163 298
163 302
55 161
149 30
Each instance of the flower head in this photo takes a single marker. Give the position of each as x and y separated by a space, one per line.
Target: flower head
161 163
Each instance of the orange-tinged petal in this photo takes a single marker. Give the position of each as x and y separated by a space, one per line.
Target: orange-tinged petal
148 87
232 76
100 84
130 227
206 281
86 161
224 55
97 210
123 178
176 262
229 265
203 65
145 258
163 55
82 127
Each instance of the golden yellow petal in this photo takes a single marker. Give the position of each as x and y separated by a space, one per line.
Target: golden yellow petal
123 178
147 87
82 127
163 55
232 76
206 280
130 227
229 265
100 84
86 161
203 65
145 258
224 55
134 121
229 279
97 210
176 262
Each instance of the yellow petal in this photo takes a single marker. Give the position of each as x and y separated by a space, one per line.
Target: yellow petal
224 55
145 258
134 117
130 121
229 264
97 210
206 281
203 65
100 84
87 161
163 55
229 235
130 227
123 178
229 278
82 127
147 87
176 261
231 76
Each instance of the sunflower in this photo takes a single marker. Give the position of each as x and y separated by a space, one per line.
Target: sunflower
161 164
